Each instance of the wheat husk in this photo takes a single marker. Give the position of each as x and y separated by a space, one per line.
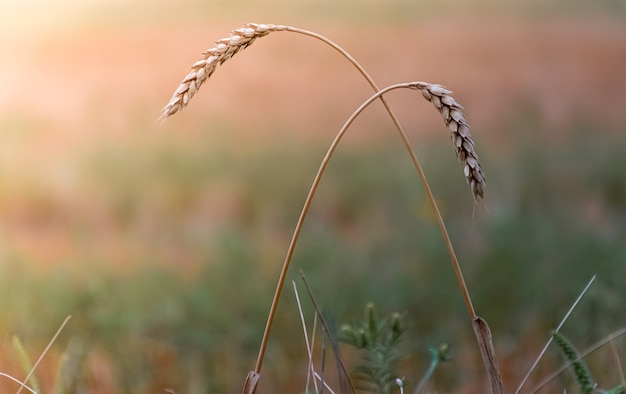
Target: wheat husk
451 113
201 70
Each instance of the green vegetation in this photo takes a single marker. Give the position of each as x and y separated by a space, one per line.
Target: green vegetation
164 246
170 318
578 365
379 342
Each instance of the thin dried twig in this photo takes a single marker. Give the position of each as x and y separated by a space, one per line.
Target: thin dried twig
54 337
18 381
309 347
543 351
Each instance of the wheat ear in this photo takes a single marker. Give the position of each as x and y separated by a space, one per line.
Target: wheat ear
211 58
450 111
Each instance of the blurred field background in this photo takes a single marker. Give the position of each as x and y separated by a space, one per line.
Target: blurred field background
164 242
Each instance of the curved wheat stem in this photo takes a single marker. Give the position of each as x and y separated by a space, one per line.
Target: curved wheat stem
450 110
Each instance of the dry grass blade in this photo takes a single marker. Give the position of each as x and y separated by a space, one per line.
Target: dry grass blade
450 110
543 351
202 69
54 337
323 383
310 369
344 376
18 381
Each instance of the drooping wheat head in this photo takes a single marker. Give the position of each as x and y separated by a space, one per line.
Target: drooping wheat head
201 70
450 111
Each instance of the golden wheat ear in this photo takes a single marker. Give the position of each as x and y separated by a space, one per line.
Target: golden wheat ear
450 111
201 70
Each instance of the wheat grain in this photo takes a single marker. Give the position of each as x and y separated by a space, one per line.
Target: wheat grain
201 70
450 111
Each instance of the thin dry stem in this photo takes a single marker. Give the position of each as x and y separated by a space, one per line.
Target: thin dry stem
323 383
18 381
313 189
343 372
543 351
309 351
54 337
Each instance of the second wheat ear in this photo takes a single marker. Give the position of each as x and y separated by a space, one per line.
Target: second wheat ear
459 133
449 109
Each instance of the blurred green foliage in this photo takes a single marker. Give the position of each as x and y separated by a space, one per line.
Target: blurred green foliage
555 215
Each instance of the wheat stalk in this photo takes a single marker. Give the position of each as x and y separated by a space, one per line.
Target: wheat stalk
211 58
450 111
438 95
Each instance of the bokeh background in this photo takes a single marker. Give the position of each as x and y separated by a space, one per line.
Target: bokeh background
164 242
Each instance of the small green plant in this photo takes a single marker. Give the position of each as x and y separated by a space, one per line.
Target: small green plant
578 365
621 389
437 356
378 340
